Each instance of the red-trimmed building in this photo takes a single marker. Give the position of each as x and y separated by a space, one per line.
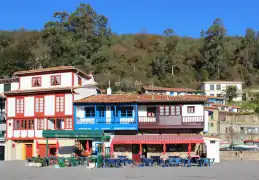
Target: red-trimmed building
145 124
43 101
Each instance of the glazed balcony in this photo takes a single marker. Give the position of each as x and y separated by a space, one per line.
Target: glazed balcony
170 122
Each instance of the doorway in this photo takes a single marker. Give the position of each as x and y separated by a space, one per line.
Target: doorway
144 150
28 151
52 151
135 153
2 149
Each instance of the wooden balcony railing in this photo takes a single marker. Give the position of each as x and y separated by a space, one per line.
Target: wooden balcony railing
170 121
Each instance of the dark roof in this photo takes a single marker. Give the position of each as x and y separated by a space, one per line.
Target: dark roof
131 98
157 139
8 80
154 88
51 69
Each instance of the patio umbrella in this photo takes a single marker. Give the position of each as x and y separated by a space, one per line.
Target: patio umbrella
164 149
57 147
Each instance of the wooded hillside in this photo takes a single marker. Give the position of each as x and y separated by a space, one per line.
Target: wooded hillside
84 39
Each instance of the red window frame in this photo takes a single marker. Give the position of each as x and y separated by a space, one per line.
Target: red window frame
37 79
150 113
60 105
52 79
24 124
19 106
39 105
79 81
41 124
190 109
68 123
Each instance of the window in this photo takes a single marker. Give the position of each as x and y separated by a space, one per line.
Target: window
89 112
19 106
39 104
211 125
212 87
79 81
55 80
218 87
40 124
190 109
211 94
30 124
69 124
17 124
53 123
124 111
170 110
60 104
60 124
36 81
101 111
151 111
7 87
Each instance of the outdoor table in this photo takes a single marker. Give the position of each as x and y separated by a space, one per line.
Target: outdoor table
156 159
147 161
204 162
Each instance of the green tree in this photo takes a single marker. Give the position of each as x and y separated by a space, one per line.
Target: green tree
231 92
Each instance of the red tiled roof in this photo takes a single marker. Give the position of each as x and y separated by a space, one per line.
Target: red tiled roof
210 108
157 139
150 88
129 98
51 69
219 105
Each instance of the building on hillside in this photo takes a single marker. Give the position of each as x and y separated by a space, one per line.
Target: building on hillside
213 120
216 100
43 101
144 124
6 85
217 88
169 91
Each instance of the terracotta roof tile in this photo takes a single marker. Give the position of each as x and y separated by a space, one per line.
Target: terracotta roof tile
123 98
219 105
51 69
150 88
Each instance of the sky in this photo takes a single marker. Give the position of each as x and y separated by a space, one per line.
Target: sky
185 17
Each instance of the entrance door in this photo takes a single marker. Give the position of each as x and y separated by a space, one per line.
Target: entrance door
135 153
28 149
2 148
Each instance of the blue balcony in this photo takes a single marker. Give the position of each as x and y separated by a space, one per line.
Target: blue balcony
105 117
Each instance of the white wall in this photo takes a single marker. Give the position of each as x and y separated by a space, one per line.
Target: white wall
68 104
66 80
199 110
29 106
84 92
49 105
212 148
11 107
1 88
14 86
206 122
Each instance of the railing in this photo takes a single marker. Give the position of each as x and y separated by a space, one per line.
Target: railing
170 120
108 120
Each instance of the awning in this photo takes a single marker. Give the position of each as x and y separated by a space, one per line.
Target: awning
73 134
157 139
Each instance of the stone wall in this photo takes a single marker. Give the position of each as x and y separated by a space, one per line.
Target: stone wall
236 155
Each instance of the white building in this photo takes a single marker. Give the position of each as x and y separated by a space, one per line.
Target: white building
6 84
217 88
43 100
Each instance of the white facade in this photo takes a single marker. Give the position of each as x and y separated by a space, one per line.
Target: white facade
46 106
217 88
212 148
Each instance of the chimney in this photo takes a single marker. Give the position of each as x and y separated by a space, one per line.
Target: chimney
109 90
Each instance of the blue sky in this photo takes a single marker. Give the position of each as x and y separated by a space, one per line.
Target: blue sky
186 17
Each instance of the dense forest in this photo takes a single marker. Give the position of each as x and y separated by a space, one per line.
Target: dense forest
85 39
